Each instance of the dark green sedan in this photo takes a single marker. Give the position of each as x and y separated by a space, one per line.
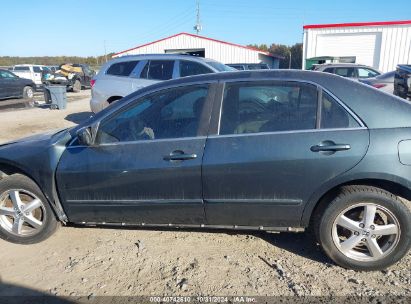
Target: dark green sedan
258 150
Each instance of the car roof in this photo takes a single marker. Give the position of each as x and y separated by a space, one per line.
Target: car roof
354 65
162 56
360 98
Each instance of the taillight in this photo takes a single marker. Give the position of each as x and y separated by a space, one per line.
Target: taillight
92 82
379 85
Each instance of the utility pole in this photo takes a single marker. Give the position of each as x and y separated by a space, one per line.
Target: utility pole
289 62
198 26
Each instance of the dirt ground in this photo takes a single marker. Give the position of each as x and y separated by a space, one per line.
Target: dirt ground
87 262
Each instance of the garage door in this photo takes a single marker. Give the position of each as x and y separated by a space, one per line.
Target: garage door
364 46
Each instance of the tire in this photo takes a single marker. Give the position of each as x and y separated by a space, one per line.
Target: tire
76 86
374 242
28 92
30 223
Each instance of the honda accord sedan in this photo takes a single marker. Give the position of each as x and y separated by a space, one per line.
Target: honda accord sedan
257 150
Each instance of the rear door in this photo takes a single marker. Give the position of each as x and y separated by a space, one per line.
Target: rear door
117 78
275 144
3 85
37 75
10 85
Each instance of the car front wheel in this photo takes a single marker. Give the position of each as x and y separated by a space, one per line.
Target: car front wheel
365 228
25 215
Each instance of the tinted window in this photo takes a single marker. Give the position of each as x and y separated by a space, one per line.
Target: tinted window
6 74
345 72
188 68
333 115
366 73
268 107
220 67
158 70
329 70
237 67
172 113
21 68
122 68
36 69
257 67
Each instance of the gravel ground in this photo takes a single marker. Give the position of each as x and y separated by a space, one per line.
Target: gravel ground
87 262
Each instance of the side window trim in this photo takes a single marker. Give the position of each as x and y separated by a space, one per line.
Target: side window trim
205 117
347 109
136 73
215 123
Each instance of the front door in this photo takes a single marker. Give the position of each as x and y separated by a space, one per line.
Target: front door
273 151
146 164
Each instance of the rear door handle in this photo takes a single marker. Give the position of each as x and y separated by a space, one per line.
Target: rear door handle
179 155
330 147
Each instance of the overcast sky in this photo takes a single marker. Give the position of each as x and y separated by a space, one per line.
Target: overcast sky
50 27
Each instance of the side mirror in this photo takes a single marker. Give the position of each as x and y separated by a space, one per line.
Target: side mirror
85 137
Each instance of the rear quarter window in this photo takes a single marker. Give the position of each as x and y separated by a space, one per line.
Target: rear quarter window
122 68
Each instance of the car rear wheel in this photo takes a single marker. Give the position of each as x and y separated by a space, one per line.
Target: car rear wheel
77 86
365 228
25 215
28 92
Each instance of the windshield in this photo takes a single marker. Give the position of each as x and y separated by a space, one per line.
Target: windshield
220 67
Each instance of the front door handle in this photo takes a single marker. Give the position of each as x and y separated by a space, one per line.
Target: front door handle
330 147
179 155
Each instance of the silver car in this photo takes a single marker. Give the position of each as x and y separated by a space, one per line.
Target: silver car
349 70
384 82
122 76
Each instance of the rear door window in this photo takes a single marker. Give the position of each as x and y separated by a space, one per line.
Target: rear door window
188 68
366 73
21 68
158 70
345 72
255 107
122 68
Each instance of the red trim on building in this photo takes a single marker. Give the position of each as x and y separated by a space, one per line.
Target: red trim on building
201 37
316 26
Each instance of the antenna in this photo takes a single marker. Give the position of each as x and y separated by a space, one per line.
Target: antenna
198 26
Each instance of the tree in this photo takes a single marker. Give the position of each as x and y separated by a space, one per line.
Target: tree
282 50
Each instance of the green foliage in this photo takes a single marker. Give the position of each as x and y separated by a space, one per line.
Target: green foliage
54 60
284 51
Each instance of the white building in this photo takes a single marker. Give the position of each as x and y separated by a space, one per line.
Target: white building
381 45
222 51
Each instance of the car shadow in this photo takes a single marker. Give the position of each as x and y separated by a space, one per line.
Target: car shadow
301 244
15 294
78 118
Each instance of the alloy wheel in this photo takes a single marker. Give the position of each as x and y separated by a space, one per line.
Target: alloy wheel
366 232
21 212
30 93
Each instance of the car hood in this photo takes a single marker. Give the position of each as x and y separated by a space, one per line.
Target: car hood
42 137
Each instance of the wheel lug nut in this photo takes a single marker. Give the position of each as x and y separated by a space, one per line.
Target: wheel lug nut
361 225
27 213
362 240
373 236
372 227
356 233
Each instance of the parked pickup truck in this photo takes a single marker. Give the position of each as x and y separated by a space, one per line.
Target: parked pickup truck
30 71
74 76
402 81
